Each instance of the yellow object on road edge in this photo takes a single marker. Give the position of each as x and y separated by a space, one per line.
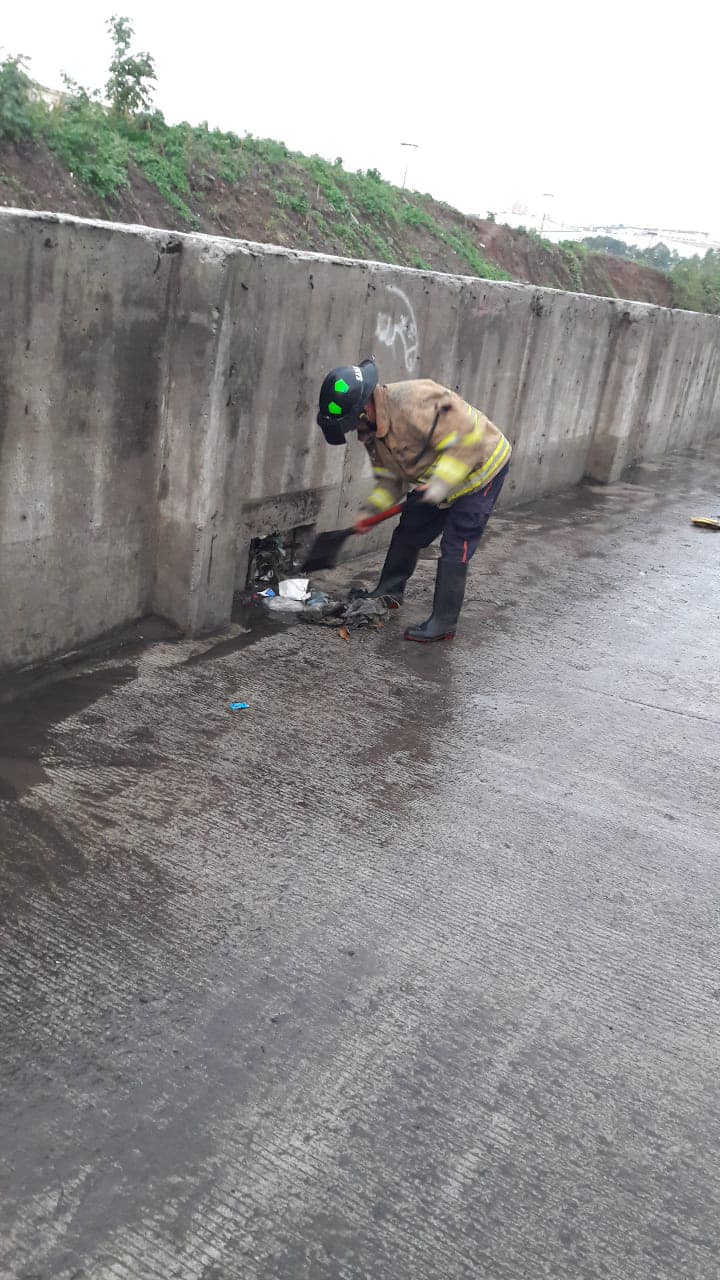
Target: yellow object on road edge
706 522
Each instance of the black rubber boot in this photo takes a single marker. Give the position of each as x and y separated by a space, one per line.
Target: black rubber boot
448 601
400 564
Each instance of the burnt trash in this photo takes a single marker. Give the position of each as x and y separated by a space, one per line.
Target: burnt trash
275 558
355 615
271 560
272 587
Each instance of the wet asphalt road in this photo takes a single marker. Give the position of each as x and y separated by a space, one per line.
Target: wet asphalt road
410 971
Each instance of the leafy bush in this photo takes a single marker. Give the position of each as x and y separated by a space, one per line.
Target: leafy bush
465 248
265 149
415 216
220 151
608 244
350 239
80 133
544 243
297 201
373 196
571 261
163 160
659 257
18 113
380 247
696 283
326 177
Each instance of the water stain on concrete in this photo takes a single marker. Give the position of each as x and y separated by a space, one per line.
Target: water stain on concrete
18 776
26 725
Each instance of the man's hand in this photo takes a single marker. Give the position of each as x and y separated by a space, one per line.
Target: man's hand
369 522
434 492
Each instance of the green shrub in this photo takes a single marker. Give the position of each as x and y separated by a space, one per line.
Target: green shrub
608 244
575 247
415 216
18 113
350 239
326 177
571 262
272 153
380 247
374 198
320 222
164 154
298 202
465 248
696 283
81 134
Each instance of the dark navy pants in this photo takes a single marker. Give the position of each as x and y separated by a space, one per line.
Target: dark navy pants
462 524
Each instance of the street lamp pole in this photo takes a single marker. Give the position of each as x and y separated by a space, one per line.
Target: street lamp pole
416 145
547 195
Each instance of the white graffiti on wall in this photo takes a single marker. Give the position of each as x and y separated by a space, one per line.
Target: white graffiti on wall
403 325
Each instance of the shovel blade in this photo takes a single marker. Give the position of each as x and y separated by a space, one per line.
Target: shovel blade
325 550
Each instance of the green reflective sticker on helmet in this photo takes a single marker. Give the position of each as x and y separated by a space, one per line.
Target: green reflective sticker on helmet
334 409
341 387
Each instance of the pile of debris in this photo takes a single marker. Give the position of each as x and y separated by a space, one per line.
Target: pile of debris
269 582
294 595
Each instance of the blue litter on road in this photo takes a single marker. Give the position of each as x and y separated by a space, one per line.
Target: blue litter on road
239 706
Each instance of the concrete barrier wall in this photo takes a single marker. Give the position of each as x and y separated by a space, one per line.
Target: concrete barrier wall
84 328
158 396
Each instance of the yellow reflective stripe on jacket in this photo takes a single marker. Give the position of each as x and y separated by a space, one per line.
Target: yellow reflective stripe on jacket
499 454
381 498
482 477
473 437
446 442
382 473
451 470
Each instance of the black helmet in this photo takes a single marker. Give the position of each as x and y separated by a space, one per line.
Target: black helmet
343 395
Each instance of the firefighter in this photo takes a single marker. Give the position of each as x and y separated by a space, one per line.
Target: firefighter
423 439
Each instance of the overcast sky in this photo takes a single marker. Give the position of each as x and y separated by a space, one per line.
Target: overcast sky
610 107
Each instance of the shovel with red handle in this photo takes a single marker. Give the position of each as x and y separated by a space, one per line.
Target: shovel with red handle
326 548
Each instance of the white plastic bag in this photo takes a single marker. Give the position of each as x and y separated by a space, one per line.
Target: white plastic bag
294 589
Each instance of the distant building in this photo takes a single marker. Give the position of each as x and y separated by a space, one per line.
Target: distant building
51 97
686 243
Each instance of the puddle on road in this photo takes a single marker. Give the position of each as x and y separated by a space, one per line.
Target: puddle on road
27 723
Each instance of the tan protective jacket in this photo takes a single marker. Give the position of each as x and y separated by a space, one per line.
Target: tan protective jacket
426 433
